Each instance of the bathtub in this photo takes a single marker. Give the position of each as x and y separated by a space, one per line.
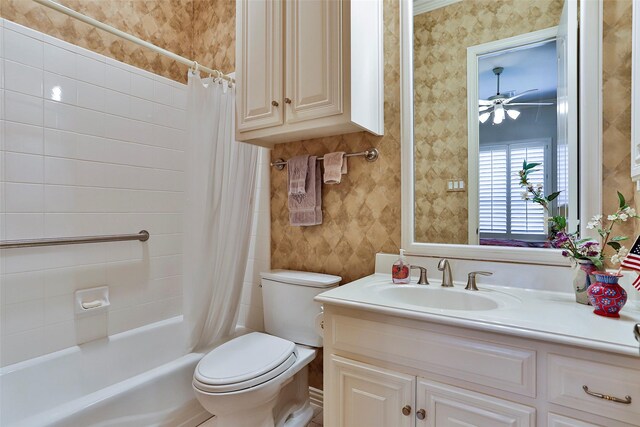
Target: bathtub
136 378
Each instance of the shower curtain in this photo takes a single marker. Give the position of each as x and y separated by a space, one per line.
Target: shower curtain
220 177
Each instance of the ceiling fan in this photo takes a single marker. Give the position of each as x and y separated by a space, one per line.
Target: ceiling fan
497 103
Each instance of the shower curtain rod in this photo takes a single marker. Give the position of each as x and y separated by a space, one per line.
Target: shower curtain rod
88 20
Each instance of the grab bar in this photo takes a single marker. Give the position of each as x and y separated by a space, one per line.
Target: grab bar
142 236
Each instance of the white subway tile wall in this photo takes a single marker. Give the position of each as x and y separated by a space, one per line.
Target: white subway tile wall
92 146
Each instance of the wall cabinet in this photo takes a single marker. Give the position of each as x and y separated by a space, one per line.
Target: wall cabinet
308 68
382 370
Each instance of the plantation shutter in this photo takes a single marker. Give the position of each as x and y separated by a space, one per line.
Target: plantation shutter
502 211
526 217
493 189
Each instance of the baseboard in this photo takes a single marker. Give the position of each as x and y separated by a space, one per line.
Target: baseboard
316 397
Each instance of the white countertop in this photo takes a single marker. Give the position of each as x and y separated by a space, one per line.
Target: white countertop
537 314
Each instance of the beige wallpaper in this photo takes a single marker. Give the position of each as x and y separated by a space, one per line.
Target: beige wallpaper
441 38
215 34
616 124
165 23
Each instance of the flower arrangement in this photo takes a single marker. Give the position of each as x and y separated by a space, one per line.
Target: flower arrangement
570 242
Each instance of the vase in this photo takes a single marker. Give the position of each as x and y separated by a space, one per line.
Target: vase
606 295
583 277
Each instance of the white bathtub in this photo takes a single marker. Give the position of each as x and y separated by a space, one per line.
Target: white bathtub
137 378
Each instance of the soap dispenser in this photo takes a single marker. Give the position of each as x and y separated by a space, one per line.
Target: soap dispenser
400 270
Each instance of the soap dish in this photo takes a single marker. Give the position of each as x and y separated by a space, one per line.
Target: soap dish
92 300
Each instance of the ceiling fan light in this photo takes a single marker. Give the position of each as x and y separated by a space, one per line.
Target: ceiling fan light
513 114
484 117
498 114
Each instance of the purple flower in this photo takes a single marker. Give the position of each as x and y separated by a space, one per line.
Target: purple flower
565 253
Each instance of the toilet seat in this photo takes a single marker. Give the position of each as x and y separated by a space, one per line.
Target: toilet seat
244 362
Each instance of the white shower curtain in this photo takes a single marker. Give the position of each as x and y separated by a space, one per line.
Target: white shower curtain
220 177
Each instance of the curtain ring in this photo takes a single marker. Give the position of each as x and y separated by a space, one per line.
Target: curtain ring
195 67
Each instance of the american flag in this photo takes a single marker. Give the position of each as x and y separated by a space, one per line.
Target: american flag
632 262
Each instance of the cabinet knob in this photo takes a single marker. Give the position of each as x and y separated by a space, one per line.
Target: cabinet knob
287 101
421 414
274 103
406 410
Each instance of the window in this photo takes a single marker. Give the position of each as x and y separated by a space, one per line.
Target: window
503 213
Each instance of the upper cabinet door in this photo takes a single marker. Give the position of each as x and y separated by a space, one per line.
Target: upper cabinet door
314 69
259 64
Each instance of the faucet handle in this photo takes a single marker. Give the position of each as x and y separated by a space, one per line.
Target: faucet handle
423 280
471 281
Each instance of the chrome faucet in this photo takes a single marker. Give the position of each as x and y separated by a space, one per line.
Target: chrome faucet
423 280
444 266
471 281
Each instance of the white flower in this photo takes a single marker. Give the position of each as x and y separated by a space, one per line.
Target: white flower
612 217
623 216
622 252
615 259
539 186
630 211
597 218
524 195
591 225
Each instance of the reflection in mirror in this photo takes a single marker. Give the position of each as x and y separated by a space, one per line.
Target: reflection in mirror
488 95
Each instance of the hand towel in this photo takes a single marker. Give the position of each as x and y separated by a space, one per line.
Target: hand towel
335 165
306 209
297 168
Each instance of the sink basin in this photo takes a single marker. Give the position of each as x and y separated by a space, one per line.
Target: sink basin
444 298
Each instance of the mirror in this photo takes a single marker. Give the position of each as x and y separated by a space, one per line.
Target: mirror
494 84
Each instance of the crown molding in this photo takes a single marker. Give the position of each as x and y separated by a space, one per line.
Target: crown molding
423 6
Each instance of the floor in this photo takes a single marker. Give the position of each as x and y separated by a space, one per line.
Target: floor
316 421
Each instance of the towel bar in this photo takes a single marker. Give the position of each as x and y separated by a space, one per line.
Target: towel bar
371 155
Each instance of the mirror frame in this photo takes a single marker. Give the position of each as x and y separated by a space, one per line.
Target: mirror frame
590 144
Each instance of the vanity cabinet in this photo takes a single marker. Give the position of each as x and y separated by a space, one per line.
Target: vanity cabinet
308 68
371 396
377 365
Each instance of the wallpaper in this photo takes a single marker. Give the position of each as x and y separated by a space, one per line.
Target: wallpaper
165 23
215 34
616 107
441 38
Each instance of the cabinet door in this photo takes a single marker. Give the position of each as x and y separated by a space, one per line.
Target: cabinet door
365 395
554 420
259 64
314 59
446 405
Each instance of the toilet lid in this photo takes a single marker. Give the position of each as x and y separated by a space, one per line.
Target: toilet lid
244 362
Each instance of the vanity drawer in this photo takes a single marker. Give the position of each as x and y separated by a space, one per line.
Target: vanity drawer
485 363
566 377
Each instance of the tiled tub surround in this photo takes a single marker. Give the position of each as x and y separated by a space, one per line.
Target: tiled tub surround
90 146
95 146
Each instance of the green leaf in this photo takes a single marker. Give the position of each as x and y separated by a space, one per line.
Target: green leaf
619 238
623 203
528 166
597 261
615 245
553 196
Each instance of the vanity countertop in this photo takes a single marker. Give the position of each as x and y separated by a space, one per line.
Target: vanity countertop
543 315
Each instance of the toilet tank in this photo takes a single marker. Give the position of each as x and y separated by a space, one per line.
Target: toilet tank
289 309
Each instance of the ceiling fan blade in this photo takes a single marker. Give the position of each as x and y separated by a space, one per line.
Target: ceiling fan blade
485 102
506 101
485 108
530 103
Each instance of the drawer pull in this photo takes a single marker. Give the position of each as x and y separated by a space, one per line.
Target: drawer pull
626 400
421 414
406 410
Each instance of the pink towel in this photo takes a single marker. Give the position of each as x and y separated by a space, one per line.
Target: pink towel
306 209
335 165
297 169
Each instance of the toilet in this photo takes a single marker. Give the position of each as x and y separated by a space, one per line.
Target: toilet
261 379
